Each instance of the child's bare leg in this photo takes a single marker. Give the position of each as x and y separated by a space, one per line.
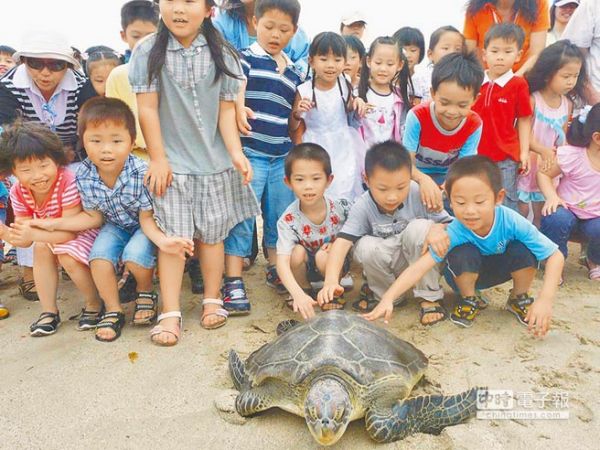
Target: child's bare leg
298 260
522 280
45 275
537 213
170 271
524 209
272 256
143 278
466 283
234 266
212 264
103 273
82 277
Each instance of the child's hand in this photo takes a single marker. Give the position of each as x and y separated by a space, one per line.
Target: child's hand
177 246
304 304
360 106
20 233
539 317
525 163
438 239
431 194
242 117
243 166
4 231
44 224
551 205
159 176
329 292
548 158
383 309
303 107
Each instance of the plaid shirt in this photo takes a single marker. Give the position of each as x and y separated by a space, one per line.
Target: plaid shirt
120 205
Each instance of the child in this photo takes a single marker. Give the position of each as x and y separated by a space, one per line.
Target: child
504 100
388 227
355 55
308 227
99 61
573 207
323 104
46 189
187 114
557 77
6 60
412 43
489 245
439 132
264 108
384 86
111 185
443 41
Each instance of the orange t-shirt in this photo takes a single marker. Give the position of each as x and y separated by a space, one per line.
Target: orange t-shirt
477 25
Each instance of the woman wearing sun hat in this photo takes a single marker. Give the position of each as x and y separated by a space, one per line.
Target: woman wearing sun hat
560 14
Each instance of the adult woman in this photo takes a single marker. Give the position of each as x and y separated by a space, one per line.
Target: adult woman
531 15
560 14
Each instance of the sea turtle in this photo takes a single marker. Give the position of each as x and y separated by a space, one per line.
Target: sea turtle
338 367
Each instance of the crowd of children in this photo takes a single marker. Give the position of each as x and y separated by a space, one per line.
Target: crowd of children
412 174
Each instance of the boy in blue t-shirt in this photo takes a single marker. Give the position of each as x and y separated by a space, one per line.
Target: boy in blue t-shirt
488 245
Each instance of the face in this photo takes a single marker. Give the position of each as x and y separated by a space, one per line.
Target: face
37 175
412 53
327 410
565 79
562 14
389 188
450 42
500 55
99 72
353 63
6 63
327 67
473 202
135 31
44 78
108 145
384 64
183 18
274 30
452 104
308 181
354 29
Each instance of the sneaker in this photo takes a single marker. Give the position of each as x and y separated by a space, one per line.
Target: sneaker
466 310
196 280
235 299
519 306
274 281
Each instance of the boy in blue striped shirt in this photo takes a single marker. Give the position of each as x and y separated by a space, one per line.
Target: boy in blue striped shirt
264 107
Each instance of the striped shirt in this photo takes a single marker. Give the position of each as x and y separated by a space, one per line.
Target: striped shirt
270 95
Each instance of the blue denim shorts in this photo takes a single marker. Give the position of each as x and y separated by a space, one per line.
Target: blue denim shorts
114 243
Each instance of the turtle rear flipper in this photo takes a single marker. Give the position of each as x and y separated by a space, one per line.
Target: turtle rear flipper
424 414
237 370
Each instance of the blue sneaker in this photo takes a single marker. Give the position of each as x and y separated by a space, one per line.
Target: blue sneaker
235 299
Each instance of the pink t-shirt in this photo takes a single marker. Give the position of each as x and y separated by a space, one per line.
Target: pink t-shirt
579 185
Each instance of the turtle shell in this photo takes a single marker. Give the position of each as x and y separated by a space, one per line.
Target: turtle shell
335 340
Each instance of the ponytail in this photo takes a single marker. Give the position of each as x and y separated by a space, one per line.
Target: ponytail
402 81
584 126
158 52
363 82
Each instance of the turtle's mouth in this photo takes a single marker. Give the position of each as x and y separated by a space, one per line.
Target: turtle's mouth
327 435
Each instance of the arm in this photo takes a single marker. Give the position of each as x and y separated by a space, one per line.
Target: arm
333 268
231 138
544 179
524 132
547 154
172 245
85 220
301 106
302 302
22 234
243 113
537 42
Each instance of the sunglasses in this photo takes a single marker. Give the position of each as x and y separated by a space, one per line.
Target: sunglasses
53 65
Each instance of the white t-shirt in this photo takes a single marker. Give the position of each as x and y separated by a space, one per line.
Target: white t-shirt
378 123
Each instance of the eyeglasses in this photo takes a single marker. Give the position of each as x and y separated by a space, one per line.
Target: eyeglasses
53 65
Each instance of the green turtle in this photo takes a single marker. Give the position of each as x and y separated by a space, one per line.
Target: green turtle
337 368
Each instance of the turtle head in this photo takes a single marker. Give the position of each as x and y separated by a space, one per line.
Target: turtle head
327 409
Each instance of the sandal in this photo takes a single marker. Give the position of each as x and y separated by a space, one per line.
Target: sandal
115 325
336 304
4 312
158 329
367 302
26 289
519 306
465 311
438 309
88 320
146 307
221 312
38 328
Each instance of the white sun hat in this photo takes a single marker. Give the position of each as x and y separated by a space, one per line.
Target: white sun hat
46 45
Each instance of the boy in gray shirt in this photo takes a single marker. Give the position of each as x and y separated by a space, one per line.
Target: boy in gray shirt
389 226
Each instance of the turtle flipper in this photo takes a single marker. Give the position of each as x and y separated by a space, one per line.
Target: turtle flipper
237 370
424 414
253 401
286 325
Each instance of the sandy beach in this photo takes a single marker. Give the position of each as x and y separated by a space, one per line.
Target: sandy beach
70 391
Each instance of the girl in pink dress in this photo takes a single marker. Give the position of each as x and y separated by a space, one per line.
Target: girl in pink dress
556 79
46 189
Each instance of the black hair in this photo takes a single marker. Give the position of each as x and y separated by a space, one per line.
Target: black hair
7 50
506 31
289 7
217 46
99 110
26 140
550 61
307 151
388 155
580 134
355 44
463 69
400 83
411 36
528 9
477 166
437 35
99 53
143 10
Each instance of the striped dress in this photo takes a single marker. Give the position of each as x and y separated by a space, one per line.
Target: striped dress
64 195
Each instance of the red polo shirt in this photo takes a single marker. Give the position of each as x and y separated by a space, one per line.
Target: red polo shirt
499 104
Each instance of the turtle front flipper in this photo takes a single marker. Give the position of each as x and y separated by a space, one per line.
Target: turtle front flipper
253 401
424 414
286 326
237 370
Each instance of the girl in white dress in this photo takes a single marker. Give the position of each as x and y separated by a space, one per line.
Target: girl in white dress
326 106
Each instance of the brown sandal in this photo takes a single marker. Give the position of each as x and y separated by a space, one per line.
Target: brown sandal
26 289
